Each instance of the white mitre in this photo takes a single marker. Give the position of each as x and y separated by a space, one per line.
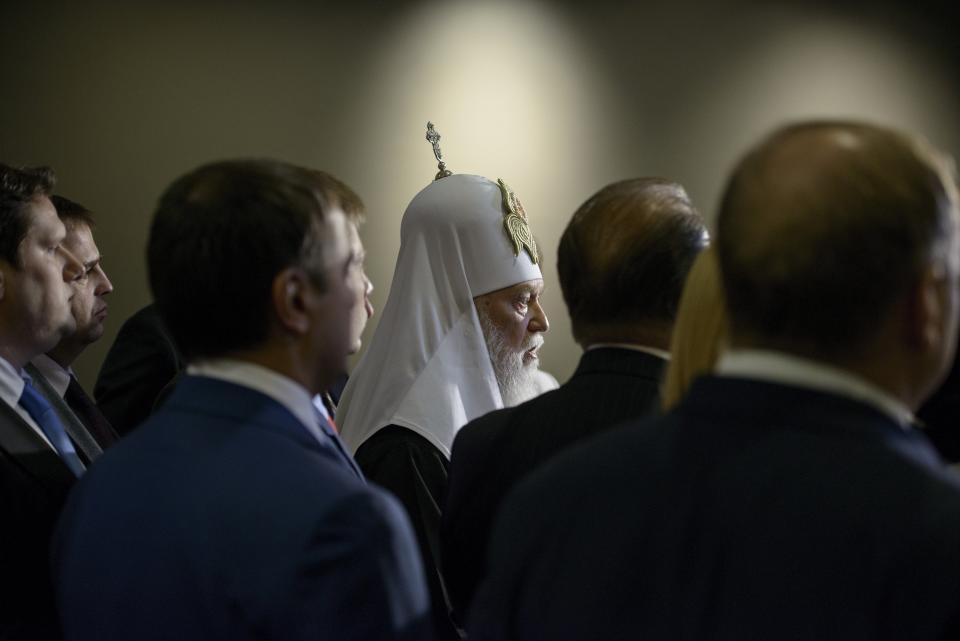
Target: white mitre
427 366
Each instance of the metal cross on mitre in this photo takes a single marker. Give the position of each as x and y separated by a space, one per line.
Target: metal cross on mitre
433 137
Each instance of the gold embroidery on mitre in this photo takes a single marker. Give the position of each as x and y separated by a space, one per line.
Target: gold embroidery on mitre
515 222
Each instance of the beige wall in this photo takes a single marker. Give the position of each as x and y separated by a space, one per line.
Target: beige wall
556 98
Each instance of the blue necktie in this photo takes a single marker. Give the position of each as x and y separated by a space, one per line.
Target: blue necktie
42 412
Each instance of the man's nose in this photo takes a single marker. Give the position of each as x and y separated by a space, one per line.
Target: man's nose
538 321
367 290
104 286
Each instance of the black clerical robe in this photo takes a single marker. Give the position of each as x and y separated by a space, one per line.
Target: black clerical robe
415 471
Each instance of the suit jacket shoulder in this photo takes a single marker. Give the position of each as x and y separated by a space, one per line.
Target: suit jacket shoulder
223 499
493 452
751 509
141 362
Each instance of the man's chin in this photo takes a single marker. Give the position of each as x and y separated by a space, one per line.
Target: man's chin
90 333
56 336
68 328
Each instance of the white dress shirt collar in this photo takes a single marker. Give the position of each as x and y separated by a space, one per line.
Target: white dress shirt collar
653 351
283 390
56 375
779 367
11 388
11 383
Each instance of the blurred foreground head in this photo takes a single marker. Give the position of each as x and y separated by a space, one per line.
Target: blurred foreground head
253 255
837 241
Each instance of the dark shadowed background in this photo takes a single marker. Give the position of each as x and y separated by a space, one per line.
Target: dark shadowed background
557 98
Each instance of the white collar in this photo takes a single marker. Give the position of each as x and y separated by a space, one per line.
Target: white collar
283 390
11 383
779 367
56 375
11 388
646 349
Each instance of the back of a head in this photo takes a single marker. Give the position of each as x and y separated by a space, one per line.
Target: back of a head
220 236
823 228
17 188
624 256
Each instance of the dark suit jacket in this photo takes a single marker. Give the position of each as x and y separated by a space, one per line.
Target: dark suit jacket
33 487
141 363
491 453
940 416
221 517
753 511
88 443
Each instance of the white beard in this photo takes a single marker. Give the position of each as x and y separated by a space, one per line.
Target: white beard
517 380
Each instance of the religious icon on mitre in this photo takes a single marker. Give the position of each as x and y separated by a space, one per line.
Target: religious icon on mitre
516 224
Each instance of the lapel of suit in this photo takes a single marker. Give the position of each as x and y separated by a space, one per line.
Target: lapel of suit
27 449
87 447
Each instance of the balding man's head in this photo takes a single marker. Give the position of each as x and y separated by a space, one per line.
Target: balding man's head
824 228
624 256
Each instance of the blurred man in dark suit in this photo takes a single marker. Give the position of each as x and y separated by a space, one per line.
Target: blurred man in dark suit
234 511
38 458
787 496
141 363
622 262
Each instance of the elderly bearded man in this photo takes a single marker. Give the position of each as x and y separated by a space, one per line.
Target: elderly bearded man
458 338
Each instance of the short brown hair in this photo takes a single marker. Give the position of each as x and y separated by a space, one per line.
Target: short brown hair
220 235
824 226
70 211
625 253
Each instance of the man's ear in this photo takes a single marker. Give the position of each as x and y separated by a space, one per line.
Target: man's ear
290 290
926 306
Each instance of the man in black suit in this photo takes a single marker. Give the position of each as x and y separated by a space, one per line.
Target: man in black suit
38 460
142 364
788 496
622 262
51 372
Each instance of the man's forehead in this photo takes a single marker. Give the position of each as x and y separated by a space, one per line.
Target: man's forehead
534 286
42 218
332 237
79 240
78 232
353 233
